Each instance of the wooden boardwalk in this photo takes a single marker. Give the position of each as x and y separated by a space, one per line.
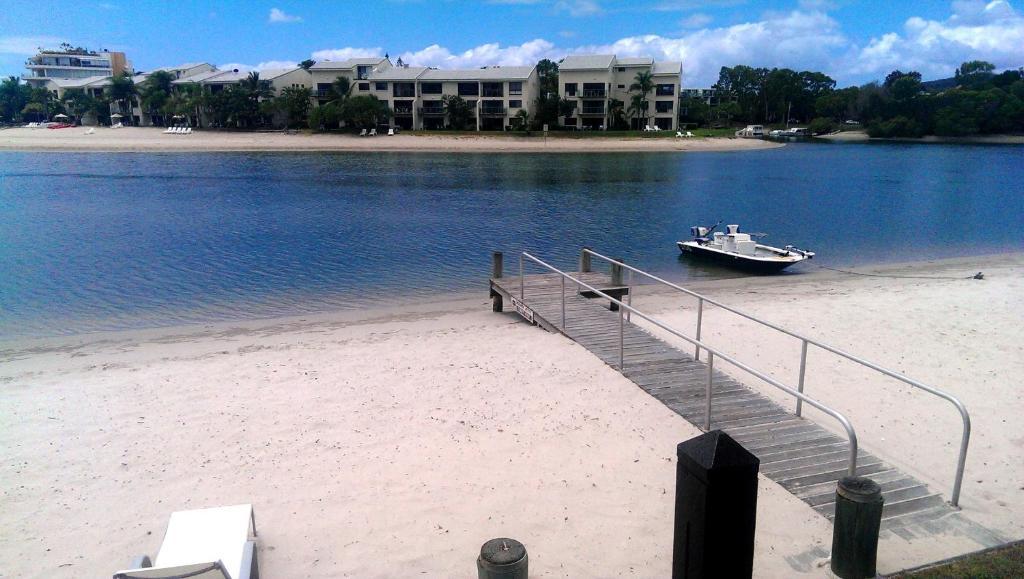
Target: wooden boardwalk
803 457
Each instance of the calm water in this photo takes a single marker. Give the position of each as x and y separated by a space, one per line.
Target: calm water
96 241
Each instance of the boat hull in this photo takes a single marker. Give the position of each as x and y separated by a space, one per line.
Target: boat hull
758 266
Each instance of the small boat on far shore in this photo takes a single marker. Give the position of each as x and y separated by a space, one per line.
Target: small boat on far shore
737 250
751 132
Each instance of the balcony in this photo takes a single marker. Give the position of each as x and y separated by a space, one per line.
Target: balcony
432 111
486 111
497 92
592 112
323 93
403 111
599 93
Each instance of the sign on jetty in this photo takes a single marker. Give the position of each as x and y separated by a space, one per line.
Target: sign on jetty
802 456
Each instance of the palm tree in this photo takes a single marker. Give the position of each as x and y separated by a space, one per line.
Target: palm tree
122 90
78 103
155 92
341 88
643 84
616 114
637 107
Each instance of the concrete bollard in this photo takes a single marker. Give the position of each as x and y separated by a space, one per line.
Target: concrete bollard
716 508
859 505
502 559
584 260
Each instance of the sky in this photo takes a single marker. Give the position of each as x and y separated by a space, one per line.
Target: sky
853 41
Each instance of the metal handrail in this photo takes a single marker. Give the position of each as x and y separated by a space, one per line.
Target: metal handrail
964 415
623 306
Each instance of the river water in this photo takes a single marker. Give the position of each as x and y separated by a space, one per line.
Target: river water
98 241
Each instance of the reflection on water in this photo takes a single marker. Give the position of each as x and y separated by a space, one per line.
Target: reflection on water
99 241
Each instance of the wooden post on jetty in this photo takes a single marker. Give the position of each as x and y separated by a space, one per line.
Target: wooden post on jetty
497 269
617 272
584 260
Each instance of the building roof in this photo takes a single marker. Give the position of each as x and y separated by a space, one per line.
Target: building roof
200 77
489 73
404 73
587 62
226 77
637 61
347 64
668 67
272 73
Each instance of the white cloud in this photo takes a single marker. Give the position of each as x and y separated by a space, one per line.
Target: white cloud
27 44
697 20
235 66
579 8
992 31
346 53
527 53
278 16
266 65
801 39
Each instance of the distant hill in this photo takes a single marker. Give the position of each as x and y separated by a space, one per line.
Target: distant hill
939 85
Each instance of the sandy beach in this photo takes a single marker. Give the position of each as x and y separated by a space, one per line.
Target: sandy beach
394 442
154 139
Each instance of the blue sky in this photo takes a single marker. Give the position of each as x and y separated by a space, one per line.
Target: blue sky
852 40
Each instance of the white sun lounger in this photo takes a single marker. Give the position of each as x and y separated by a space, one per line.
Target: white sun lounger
188 130
391 132
689 134
373 132
362 133
90 131
214 543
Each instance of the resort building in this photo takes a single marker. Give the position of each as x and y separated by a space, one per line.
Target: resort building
599 87
324 73
73 63
494 95
708 95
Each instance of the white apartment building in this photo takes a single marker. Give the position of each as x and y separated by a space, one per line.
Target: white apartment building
74 63
324 73
593 82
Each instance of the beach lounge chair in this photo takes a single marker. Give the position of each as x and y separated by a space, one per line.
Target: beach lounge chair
168 130
90 131
214 543
373 132
362 133
391 132
689 134
188 130
679 135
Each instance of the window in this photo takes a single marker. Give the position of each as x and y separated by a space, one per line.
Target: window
515 104
593 90
515 88
381 86
663 106
403 89
494 89
570 122
665 90
364 86
469 89
430 88
622 69
622 86
570 89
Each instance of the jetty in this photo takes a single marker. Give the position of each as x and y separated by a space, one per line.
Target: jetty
594 309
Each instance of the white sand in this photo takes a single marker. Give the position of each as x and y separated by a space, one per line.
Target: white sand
389 447
154 139
397 444
962 336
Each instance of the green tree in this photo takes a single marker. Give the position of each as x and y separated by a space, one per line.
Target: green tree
13 97
617 115
364 112
155 93
325 116
637 108
896 75
643 84
341 88
545 107
307 64
458 111
293 104
122 92
78 104
521 120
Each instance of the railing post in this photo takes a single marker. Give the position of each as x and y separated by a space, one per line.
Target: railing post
616 272
962 460
700 314
584 260
629 296
803 370
563 303
622 353
497 264
522 279
707 394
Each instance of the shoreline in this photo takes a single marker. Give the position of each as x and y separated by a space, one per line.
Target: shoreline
862 137
153 139
463 301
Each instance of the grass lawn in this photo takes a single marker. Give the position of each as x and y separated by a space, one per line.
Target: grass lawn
1000 562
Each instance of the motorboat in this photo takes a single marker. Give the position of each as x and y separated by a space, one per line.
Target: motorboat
738 250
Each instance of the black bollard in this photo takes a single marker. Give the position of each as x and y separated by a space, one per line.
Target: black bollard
859 505
502 559
716 508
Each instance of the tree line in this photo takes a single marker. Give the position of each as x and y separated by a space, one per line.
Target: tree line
976 100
